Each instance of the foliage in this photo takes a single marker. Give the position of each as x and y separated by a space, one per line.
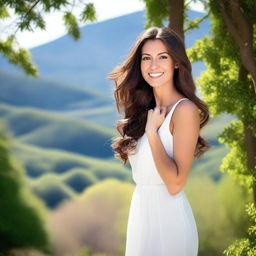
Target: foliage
224 92
29 15
235 161
227 88
157 13
213 207
245 246
21 225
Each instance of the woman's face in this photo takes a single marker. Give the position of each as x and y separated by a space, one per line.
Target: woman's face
157 66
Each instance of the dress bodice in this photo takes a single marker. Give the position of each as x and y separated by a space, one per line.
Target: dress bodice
142 163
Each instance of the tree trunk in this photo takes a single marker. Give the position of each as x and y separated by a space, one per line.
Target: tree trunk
241 30
250 140
176 16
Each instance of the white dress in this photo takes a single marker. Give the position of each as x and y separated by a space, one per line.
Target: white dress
159 224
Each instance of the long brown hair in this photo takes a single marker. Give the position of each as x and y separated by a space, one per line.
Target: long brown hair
135 96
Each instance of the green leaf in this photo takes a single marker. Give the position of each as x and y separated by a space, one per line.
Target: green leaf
192 24
71 25
156 12
20 57
3 12
88 13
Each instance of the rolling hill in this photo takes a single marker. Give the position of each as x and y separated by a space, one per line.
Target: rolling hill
51 130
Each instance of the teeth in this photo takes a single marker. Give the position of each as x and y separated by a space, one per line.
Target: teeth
155 74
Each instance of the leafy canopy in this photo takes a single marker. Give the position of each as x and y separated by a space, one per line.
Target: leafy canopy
30 15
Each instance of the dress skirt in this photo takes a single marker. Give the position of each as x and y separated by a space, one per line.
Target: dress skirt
160 224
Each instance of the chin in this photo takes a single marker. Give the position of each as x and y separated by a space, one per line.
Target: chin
155 83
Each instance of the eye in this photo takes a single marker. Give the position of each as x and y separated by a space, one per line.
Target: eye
163 57
146 58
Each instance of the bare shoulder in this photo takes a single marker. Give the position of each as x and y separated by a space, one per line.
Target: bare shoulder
185 113
186 108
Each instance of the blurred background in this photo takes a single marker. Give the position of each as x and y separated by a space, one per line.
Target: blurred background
62 190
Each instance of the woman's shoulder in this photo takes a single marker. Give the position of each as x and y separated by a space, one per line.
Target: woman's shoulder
185 108
186 103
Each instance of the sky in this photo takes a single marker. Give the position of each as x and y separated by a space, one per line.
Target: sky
104 11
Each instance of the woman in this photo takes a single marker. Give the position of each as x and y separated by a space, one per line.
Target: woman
160 137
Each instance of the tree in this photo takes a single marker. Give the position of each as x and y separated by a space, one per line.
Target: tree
245 246
228 88
30 14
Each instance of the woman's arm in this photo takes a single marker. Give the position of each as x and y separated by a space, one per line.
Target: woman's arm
174 172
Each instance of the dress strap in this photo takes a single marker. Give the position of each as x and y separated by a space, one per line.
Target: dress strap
169 115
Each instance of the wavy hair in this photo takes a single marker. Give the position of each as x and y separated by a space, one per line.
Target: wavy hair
135 97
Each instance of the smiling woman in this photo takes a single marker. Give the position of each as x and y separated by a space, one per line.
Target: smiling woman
160 135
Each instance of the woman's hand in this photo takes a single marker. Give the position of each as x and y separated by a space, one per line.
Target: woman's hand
155 118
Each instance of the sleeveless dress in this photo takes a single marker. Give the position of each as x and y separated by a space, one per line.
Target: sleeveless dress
159 224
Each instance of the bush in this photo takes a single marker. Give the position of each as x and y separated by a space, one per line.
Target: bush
245 246
21 224
95 220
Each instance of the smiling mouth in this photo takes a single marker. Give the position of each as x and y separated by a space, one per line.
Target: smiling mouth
155 75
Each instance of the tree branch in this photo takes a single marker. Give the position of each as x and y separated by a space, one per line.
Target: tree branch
230 26
242 32
31 8
27 13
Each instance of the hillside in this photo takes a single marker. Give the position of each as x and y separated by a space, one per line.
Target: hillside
56 175
20 90
51 130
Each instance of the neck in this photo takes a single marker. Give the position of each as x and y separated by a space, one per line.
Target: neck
165 98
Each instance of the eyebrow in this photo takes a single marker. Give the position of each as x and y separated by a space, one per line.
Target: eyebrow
157 54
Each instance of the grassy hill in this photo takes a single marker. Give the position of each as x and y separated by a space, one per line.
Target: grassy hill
38 162
57 175
20 90
51 130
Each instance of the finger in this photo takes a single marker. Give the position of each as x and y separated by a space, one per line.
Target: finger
150 111
157 109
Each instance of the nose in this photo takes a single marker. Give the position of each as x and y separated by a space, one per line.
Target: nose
153 64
